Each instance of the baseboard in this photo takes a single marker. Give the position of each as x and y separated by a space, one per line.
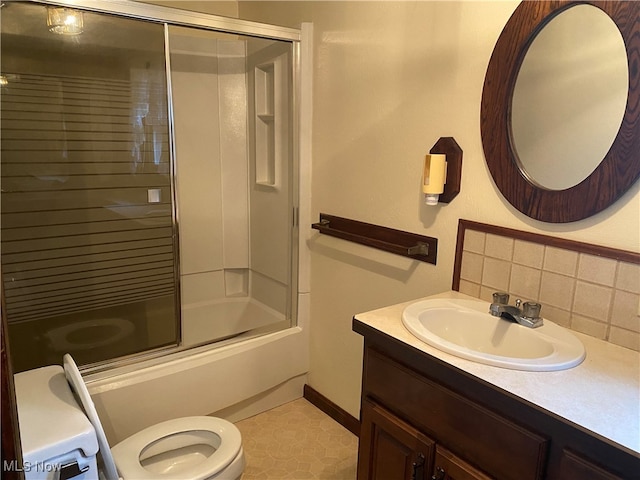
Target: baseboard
340 415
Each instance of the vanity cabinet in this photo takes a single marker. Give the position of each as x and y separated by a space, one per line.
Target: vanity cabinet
452 421
393 449
422 418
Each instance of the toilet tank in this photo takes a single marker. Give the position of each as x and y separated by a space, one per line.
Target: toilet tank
58 441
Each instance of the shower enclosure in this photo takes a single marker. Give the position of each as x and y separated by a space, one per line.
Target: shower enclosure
149 180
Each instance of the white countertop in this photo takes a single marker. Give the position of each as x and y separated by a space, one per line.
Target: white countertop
602 394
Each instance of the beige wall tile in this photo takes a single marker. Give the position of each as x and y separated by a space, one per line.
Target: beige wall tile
528 253
575 289
589 326
471 267
470 288
593 301
474 241
495 273
497 246
557 290
556 315
597 269
625 338
562 261
628 277
625 310
486 294
525 282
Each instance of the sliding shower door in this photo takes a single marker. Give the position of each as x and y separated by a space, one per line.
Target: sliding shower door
232 109
88 239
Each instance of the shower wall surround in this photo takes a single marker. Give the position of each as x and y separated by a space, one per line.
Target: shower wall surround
592 290
211 181
234 230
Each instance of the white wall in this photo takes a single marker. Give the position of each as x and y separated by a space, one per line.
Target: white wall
390 78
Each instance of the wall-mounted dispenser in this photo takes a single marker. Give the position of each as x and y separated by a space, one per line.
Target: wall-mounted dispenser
442 172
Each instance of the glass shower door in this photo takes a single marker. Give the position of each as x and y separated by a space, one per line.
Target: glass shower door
88 237
232 108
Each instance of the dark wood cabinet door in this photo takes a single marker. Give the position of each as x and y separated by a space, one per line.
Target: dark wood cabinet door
574 467
391 449
448 466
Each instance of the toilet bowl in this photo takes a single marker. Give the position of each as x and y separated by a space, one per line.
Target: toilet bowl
89 334
190 448
185 448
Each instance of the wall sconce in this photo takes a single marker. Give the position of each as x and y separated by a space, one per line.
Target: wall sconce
442 172
64 21
434 177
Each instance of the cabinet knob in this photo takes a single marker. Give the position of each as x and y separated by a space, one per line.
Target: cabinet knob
439 475
418 467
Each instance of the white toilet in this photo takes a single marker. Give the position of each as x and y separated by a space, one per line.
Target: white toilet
61 441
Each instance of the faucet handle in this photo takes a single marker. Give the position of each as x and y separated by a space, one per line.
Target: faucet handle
531 309
501 298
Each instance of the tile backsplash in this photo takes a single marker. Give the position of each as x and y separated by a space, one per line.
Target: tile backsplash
588 293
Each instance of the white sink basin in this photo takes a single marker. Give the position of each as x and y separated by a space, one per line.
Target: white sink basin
465 328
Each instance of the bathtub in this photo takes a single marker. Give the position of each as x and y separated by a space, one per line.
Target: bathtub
220 319
234 381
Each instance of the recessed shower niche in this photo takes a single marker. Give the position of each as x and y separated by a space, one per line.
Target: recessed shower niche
271 108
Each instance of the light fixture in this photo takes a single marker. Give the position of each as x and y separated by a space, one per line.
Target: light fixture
64 21
442 172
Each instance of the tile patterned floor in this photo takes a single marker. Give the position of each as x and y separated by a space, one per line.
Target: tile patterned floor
297 441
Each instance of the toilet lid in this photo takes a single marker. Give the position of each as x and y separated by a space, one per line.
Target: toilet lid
77 384
128 451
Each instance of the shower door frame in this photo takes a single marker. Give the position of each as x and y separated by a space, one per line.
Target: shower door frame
178 17
168 16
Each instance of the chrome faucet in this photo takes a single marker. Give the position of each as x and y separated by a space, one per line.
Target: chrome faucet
528 315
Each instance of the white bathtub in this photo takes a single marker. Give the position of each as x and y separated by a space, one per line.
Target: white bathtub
240 379
216 320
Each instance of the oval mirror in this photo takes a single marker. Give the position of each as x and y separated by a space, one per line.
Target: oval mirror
569 98
560 107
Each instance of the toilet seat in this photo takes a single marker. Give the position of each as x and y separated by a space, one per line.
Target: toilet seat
128 452
77 385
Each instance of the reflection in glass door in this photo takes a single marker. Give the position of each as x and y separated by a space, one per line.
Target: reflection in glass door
88 237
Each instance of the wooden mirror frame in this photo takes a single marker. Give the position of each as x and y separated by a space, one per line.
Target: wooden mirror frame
619 169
